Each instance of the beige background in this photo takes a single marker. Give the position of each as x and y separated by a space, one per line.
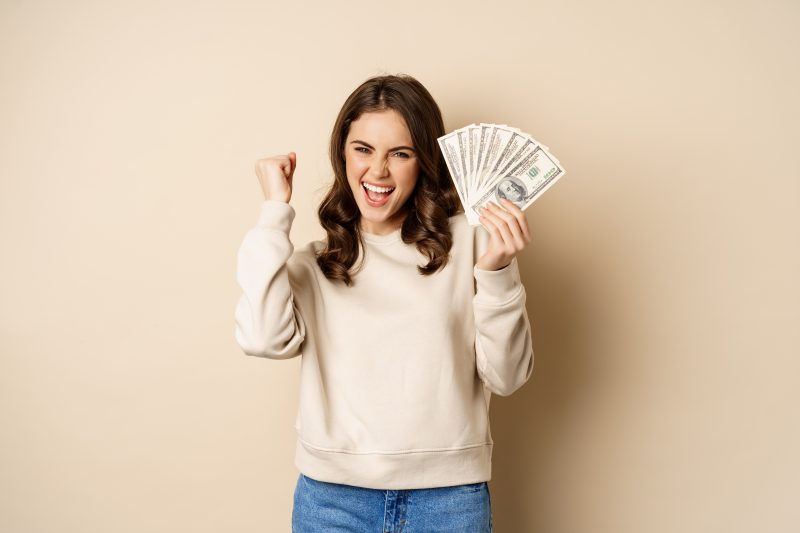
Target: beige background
662 280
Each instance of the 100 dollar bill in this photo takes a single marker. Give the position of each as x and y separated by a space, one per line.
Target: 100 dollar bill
523 183
488 162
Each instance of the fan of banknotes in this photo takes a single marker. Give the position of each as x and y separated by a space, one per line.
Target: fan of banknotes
492 161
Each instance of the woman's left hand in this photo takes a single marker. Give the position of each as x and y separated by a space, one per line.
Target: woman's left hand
509 233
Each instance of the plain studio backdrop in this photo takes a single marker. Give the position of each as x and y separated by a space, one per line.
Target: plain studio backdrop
663 278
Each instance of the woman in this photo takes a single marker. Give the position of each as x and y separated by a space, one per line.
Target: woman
407 319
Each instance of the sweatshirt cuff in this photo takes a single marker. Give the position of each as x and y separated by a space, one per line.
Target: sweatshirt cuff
276 214
497 286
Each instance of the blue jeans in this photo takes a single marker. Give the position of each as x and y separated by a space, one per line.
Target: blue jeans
320 506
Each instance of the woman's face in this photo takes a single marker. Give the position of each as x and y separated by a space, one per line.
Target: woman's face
378 153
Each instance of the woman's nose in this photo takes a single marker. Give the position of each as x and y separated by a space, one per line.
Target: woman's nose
380 167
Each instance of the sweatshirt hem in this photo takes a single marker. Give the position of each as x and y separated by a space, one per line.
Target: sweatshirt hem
397 470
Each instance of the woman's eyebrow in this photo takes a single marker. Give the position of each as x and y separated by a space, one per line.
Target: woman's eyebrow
390 149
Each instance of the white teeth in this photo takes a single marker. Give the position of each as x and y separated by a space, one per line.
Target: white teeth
377 189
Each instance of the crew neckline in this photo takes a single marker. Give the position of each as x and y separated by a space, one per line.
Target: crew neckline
382 239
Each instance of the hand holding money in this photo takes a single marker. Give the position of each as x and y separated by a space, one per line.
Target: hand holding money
508 230
491 162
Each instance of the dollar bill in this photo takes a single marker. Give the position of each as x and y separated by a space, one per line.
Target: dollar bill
523 183
488 162
453 158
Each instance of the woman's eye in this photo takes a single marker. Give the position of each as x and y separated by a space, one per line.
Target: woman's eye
401 154
360 148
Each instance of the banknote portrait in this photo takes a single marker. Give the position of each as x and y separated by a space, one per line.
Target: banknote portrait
512 188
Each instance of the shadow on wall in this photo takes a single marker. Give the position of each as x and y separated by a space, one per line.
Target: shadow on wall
527 427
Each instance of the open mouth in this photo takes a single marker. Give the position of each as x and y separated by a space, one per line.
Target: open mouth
376 196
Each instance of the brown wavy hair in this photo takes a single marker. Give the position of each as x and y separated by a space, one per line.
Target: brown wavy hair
433 200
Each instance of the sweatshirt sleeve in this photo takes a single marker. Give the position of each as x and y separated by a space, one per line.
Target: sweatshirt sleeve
268 323
503 344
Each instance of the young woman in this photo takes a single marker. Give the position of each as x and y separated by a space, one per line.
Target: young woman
407 319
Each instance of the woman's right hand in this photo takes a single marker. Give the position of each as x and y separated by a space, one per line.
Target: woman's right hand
275 176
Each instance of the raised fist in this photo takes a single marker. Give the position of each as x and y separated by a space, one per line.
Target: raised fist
275 176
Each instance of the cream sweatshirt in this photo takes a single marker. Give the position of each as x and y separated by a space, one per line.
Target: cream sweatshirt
397 370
